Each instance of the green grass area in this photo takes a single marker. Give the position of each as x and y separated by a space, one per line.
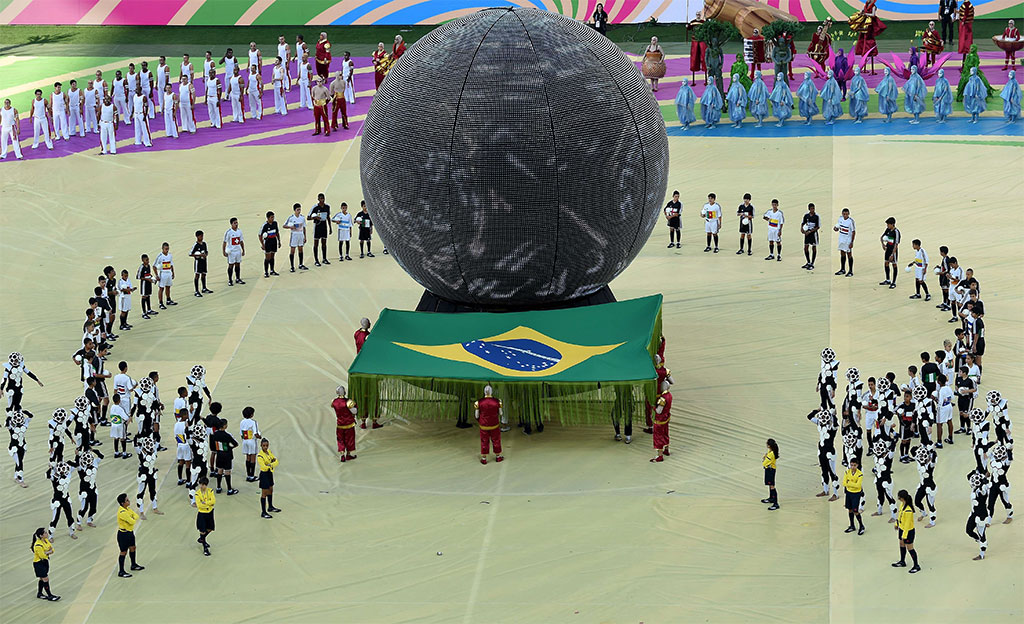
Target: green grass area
30 70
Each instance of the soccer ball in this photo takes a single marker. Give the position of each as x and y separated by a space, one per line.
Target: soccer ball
746 221
938 270
909 269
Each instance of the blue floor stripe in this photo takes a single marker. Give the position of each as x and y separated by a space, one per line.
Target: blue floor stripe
957 126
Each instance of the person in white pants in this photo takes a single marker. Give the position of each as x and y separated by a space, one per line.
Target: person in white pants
170 100
9 130
280 104
75 121
119 91
186 99
89 109
208 63
108 126
254 88
348 67
285 52
163 73
213 95
235 86
40 120
59 112
305 101
131 81
146 82
140 114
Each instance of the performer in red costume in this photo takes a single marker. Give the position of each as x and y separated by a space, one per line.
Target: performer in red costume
868 26
338 98
320 98
931 43
966 16
345 411
697 48
380 64
323 57
1010 34
488 415
662 414
818 49
760 55
398 49
362 333
661 349
664 375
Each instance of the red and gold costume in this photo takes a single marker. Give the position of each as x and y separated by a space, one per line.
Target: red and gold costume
360 336
661 423
381 65
343 408
1010 34
966 16
759 54
819 46
868 26
338 99
489 418
320 101
661 349
323 58
663 373
697 48
397 50
931 43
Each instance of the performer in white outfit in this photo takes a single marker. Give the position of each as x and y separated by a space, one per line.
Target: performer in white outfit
108 126
170 100
285 52
305 101
301 49
132 80
213 95
75 121
9 130
280 105
146 82
92 102
186 68
255 58
59 111
120 96
40 120
140 106
347 70
230 62
100 85
186 99
162 80
209 63
254 88
235 87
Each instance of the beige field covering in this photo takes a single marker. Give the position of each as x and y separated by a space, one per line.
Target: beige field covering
573 527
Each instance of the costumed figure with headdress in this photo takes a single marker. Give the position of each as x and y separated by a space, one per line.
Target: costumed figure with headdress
653 67
381 64
821 44
965 15
887 94
782 100
868 26
685 101
1011 97
737 99
831 100
841 70
757 96
808 96
942 98
974 96
972 66
697 48
931 43
914 93
739 68
711 104
859 96
1010 43
782 56
754 53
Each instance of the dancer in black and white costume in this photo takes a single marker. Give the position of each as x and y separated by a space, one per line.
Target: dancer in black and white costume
145 409
853 447
199 443
979 437
884 452
196 384
60 479
146 447
17 424
977 522
827 378
998 466
58 428
851 417
926 458
825 419
80 415
88 465
13 384
926 415
1000 412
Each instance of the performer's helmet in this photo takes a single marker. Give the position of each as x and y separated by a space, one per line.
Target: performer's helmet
827 354
62 470
16 359
145 384
850 440
999 453
147 446
880 448
852 374
884 384
198 371
993 397
17 419
977 415
922 455
920 393
60 415
340 390
488 390
81 403
364 323
197 431
87 459
976 479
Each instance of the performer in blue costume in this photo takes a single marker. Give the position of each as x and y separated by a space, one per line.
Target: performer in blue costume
859 96
758 98
914 93
737 98
808 94
1011 98
685 100
782 100
831 100
711 104
942 99
887 94
974 96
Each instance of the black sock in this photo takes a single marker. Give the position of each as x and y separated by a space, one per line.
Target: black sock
120 563
316 253
46 586
860 521
368 245
851 264
300 258
238 273
228 479
814 256
195 280
925 286
807 255
291 258
229 277
842 267
266 265
219 481
741 243
716 240
341 247
203 276
263 504
903 554
913 555
39 592
886 271
917 287
180 467
851 518
131 555
780 249
271 264
270 500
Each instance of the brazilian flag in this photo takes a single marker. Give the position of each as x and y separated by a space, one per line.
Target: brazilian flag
574 365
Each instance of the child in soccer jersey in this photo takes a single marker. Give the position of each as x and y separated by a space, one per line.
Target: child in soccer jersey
745 214
270 241
945 417
224 443
810 225
233 248
199 254
297 224
125 288
920 265
146 278
249 431
165 273
184 450
943 272
890 240
673 210
343 222
365 224
712 215
965 391
775 220
847 229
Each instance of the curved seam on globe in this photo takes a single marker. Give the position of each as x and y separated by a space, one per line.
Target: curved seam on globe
451 149
554 145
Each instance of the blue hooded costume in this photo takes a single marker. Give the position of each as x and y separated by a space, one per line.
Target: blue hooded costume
859 96
942 98
887 94
782 99
914 93
974 95
1011 97
737 98
711 105
685 101
758 98
831 99
808 94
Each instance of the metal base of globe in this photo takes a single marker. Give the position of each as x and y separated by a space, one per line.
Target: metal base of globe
430 302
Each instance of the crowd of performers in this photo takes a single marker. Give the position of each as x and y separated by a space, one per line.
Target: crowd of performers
136 97
914 421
